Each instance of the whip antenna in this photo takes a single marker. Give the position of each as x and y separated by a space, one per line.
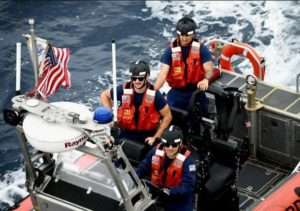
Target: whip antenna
18 68
33 50
114 78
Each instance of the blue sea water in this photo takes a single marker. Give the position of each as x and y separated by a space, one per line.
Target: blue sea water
142 29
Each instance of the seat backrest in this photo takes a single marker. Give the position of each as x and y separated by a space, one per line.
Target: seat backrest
134 150
227 106
225 152
180 119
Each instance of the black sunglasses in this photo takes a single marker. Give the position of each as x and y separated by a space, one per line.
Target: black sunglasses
134 78
174 145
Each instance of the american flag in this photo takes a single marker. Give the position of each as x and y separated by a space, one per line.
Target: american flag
53 71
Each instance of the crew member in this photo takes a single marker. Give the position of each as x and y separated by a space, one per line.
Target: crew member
186 65
171 169
143 113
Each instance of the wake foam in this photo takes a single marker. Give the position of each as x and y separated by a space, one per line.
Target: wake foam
12 187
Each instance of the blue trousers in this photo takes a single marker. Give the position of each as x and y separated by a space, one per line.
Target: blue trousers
181 99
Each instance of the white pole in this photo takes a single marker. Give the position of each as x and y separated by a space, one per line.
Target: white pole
34 50
18 68
114 70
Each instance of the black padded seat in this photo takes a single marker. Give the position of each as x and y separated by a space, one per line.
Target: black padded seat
135 150
180 117
219 175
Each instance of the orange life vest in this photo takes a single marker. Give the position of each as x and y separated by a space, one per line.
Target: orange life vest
174 171
185 72
242 49
148 117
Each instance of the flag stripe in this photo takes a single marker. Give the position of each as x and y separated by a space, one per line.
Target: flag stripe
54 71
53 79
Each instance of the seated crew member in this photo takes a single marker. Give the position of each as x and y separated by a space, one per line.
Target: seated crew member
143 113
171 168
186 65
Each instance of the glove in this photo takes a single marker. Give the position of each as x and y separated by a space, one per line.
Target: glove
166 191
161 193
164 194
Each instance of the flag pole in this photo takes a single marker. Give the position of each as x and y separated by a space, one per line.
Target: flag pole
114 71
34 50
18 68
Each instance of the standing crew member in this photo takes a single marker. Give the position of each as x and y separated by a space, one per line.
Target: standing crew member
186 65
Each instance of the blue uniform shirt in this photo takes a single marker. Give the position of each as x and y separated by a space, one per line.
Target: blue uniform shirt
159 103
181 197
180 98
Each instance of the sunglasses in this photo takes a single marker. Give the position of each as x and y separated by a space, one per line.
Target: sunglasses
174 145
190 33
134 78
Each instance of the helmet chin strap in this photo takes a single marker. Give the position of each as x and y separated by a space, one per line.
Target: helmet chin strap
145 83
178 41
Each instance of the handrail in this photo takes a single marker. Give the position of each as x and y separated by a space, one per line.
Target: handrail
297 82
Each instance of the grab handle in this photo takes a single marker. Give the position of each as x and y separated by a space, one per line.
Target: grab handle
297 82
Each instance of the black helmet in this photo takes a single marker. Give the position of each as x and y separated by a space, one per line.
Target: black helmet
139 68
186 26
172 135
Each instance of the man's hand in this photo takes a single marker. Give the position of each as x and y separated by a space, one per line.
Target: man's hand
164 194
108 142
166 191
150 140
203 85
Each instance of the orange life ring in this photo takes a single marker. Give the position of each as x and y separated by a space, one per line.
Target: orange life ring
242 49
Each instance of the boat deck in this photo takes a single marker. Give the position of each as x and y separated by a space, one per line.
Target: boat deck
256 180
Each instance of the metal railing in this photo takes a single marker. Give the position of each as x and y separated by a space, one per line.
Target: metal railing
297 82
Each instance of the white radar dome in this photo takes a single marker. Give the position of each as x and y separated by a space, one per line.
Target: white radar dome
53 136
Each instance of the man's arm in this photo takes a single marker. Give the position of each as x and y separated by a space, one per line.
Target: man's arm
165 112
166 115
207 66
105 98
144 167
161 78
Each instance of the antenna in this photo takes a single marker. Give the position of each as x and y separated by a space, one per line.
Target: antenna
114 71
33 50
18 68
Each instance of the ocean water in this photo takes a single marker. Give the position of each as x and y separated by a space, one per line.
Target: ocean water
142 29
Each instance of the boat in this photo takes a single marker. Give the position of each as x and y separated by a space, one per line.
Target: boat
247 150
